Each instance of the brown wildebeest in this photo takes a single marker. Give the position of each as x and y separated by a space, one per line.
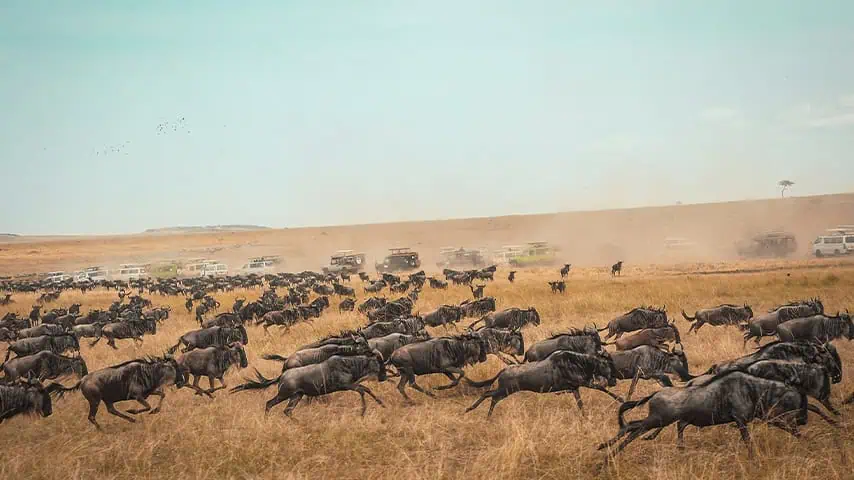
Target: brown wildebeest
565 270
511 277
725 314
477 291
636 319
211 362
559 286
617 268
654 337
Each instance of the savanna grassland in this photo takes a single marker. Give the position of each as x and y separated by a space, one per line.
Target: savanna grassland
529 436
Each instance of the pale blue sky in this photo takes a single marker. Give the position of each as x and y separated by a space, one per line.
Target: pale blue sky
335 112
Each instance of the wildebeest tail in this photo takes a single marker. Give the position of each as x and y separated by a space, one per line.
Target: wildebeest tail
603 328
482 319
484 383
259 383
686 317
173 348
57 390
274 357
626 406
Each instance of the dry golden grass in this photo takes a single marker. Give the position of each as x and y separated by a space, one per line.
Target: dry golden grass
529 436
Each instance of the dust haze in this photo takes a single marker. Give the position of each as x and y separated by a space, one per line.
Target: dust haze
585 238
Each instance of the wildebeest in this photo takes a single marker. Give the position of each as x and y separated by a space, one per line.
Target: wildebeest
43 329
446 355
443 316
376 286
333 375
92 330
580 341
339 289
347 305
312 356
438 284
225 319
650 363
26 397
766 325
58 344
127 330
210 337
814 380
511 277
511 318
817 328
132 380
805 352
371 303
564 271
636 319
477 291
7 299
364 277
387 344
617 268
478 307
503 341
391 310
733 397
7 335
725 314
558 287
407 325
286 317
211 362
654 337
562 371
44 365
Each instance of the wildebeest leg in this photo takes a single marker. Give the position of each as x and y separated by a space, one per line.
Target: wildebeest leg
821 414
639 430
211 388
418 387
93 411
454 381
273 402
745 436
162 396
696 326
829 406
605 390
112 342
505 360
292 404
371 393
680 434
578 402
633 385
222 385
92 344
497 396
145 406
654 434
788 428
401 386
480 400
112 409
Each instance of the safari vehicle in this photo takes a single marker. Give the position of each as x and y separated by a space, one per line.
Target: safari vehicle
506 253
770 244
215 269
535 254
346 261
57 277
678 243
839 241
130 271
452 257
399 259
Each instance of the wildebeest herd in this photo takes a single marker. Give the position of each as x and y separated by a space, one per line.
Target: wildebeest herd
772 384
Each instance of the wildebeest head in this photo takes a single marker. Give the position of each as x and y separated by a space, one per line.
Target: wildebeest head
676 336
679 361
237 355
170 372
377 360
748 309
611 368
533 316
240 330
516 342
832 362
38 398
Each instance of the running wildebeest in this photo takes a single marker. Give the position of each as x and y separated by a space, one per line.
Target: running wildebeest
446 355
333 375
225 319
585 341
559 286
562 371
438 284
477 291
211 362
133 330
654 337
210 337
364 277
43 366
371 303
283 318
478 307
725 314
7 335
43 329
376 286
58 344
564 272
650 363
617 268
805 352
26 397
339 289
817 328
733 397
132 380
387 344
510 318
92 330
312 356
511 277
347 305
503 341
636 319
409 326
766 325
443 315
7 299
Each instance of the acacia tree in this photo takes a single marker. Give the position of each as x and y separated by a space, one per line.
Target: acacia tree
784 185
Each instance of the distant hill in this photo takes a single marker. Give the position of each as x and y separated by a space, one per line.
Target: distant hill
207 229
9 235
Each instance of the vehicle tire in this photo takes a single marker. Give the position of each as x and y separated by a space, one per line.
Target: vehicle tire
818 254
836 252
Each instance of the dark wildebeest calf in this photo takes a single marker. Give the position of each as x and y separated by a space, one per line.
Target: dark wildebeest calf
312 356
336 374
637 319
211 362
562 371
721 315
